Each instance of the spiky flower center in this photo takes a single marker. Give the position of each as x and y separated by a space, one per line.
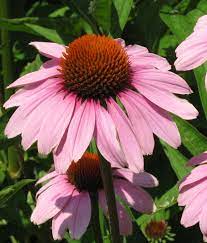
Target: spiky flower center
156 229
96 67
85 174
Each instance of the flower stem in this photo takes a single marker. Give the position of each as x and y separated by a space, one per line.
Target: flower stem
6 50
106 175
95 218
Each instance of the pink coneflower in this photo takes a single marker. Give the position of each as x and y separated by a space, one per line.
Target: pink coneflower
192 52
66 197
74 96
193 195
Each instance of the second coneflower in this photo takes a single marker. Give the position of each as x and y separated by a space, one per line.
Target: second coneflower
66 198
74 97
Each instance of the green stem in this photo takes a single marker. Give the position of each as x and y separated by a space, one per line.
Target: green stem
106 175
95 218
6 55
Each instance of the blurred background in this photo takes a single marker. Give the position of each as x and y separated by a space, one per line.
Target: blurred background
160 25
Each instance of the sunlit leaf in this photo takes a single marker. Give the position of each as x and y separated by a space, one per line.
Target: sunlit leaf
123 9
192 139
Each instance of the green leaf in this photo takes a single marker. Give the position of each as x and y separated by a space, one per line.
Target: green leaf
192 139
49 34
8 192
32 66
177 161
123 9
168 199
101 11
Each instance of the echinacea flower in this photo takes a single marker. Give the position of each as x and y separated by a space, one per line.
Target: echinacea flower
75 97
192 52
65 198
193 194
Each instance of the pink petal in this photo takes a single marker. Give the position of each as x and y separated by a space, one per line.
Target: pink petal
79 210
191 191
203 221
141 128
136 50
62 155
125 223
192 52
48 70
136 197
47 177
160 122
81 130
163 79
192 211
201 23
196 174
139 56
34 121
54 181
199 159
20 116
51 202
30 91
49 49
142 179
108 144
168 101
121 42
55 124
127 138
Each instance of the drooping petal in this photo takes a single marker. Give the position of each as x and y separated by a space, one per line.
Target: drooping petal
192 52
55 180
106 138
34 121
51 201
163 79
160 122
136 197
17 121
79 211
189 192
47 177
199 159
136 50
127 138
192 211
48 70
203 221
140 57
62 155
55 124
49 49
81 130
141 128
142 179
31 91
196 174
168 101
125 223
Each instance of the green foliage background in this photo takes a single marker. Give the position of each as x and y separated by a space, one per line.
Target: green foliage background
160 25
